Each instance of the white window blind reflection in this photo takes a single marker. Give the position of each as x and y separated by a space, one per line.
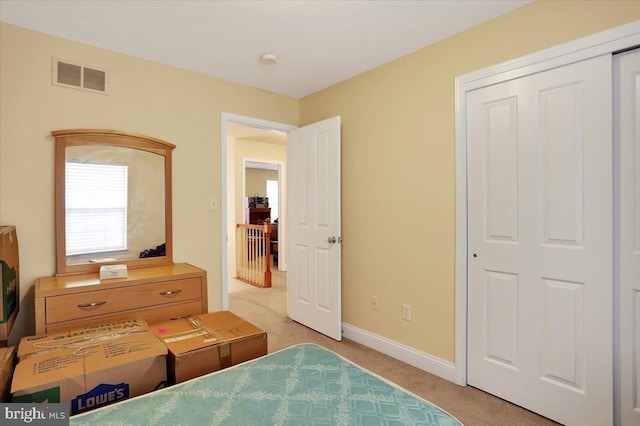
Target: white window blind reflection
95 207
272 194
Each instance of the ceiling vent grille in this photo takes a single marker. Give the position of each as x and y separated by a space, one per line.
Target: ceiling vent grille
77 76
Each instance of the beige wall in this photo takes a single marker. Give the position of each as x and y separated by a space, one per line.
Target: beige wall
398 173
178 106
256 181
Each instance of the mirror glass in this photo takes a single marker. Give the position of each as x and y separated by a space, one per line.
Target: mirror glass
112 201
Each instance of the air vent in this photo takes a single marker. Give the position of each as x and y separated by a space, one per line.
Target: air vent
77 76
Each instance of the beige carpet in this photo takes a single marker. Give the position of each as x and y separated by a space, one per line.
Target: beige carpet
267 308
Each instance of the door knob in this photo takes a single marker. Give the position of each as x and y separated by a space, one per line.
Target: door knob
331 240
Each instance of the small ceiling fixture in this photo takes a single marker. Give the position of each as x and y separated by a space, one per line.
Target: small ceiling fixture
268 59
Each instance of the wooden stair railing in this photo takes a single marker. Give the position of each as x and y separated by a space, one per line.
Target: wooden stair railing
253 254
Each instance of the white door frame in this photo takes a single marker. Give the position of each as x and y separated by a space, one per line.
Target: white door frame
606 42
226 119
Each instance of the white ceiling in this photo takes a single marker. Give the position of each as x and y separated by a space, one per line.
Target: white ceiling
318 43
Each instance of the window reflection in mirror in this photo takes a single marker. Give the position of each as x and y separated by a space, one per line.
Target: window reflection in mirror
114 203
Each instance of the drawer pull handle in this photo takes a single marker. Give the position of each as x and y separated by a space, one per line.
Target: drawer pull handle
91 305
170 292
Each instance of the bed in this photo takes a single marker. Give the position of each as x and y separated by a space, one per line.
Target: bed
302 385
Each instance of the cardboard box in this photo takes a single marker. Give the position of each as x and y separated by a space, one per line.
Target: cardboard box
210 342
7 363
10 268
90 367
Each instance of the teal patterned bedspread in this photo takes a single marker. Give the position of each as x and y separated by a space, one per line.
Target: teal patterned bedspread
301 385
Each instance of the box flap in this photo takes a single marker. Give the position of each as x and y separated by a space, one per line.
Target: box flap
185 335
42 371
84 341
229 326
201 331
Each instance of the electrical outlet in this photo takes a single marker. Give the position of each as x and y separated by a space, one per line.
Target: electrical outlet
375 301
406 312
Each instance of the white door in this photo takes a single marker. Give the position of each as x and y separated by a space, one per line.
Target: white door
314 265
627 90
540 241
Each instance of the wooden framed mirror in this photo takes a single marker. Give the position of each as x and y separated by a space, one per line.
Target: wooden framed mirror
113 200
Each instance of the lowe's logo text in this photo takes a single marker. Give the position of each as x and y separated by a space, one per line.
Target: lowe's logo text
99 396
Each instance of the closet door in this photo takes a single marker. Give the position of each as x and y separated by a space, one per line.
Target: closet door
627 94
540 241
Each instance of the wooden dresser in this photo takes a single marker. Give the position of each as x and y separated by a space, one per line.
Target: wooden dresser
257 216
156 294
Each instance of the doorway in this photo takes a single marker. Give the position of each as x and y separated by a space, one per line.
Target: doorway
247 140
314 151
260 180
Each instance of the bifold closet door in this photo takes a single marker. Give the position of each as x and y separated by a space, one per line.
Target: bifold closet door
627 101
540 241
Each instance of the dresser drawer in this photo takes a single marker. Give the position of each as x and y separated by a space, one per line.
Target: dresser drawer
151 316
102 302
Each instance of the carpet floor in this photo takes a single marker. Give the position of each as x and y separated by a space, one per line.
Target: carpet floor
267 308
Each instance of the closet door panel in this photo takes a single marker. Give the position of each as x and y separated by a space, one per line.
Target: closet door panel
627 103
540 233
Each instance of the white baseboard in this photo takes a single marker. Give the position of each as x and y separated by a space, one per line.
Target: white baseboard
421 360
